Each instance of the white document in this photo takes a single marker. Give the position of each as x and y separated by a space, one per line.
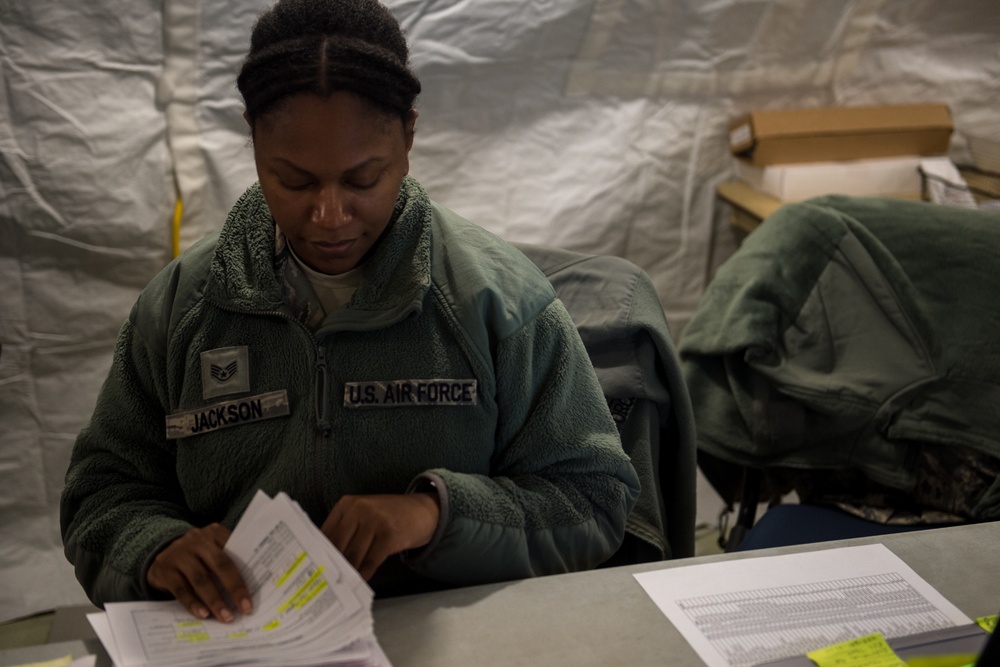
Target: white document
310 606
860 178
740 613
102 628
67 661
945 184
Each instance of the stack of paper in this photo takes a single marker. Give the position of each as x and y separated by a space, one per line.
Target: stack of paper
859 178
311 607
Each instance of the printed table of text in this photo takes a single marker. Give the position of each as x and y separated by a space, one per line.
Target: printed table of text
754 626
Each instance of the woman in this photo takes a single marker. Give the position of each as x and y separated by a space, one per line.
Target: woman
407 377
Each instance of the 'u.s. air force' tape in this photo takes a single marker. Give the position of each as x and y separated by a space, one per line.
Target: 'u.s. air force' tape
227 413
404 393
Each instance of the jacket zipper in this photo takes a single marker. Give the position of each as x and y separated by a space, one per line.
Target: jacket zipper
322 404
321 408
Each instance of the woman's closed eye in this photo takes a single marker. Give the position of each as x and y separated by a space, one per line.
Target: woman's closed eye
363 178
295 185
362 183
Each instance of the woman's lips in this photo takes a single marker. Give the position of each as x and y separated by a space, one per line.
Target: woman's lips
329 249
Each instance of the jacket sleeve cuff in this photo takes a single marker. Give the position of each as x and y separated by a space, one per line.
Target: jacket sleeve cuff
148 592
429 483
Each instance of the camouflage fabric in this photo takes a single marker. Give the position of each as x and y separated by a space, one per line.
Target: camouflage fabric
299 293
950 481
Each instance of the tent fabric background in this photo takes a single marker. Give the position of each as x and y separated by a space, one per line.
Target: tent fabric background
595 125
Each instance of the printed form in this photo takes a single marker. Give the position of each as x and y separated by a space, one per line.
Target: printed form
311 607
741 613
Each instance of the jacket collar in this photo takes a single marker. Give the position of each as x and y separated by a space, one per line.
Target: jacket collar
395 277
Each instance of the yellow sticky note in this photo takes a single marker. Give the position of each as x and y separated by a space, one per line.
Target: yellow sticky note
967 660
988 623
868 651
58 662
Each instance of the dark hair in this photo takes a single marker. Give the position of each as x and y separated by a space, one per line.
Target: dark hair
319 46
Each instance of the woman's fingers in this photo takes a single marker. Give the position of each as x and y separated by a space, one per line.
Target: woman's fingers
368 529
196 570
350 534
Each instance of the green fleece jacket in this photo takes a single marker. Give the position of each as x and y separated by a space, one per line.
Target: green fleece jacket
619 316
453 365
851 332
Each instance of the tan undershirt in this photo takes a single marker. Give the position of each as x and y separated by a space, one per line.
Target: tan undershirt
332 291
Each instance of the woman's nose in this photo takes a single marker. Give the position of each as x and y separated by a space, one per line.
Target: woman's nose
330 208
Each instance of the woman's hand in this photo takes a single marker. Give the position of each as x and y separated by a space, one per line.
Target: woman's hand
368 529
196 571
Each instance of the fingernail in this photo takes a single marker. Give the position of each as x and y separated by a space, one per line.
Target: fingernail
201 612
246 606
226 615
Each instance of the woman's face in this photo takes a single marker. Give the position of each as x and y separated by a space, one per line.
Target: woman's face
330 169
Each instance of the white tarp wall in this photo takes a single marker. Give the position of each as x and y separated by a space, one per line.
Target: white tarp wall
597 125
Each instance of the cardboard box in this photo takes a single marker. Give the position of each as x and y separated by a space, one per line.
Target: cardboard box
860 178
749 206
841 133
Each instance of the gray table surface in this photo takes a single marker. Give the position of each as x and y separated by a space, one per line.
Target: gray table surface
604 617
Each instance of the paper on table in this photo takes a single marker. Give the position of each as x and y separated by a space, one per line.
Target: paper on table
310 606
374 656
66 661
739 613
102 628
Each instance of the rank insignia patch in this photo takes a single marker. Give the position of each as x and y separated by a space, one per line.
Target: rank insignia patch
224 371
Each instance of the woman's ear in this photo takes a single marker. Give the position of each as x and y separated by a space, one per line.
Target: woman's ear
408 128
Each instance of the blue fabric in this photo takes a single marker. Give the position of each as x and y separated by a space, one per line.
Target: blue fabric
784 525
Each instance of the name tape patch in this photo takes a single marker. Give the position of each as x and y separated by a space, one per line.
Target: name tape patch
405 393
227 413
